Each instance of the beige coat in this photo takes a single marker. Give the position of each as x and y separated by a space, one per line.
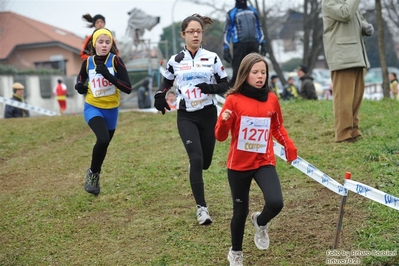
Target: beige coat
344 46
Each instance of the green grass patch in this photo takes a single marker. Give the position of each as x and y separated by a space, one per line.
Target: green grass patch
145 214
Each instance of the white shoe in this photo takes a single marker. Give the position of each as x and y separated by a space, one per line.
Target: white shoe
203 217
261 237
235 258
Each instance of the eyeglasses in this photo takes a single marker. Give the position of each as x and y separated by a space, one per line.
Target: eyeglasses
191 32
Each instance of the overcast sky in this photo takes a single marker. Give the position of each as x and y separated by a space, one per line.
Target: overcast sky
67 14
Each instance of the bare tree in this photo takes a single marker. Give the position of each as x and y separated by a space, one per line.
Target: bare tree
312 32
381 48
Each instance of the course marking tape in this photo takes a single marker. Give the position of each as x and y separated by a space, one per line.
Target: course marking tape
28 107
372 193
311 171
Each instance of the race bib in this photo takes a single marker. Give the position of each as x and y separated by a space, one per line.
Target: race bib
254 134
194 97
99 85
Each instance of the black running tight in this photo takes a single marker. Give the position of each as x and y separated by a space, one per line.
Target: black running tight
104 136
196 130
240 183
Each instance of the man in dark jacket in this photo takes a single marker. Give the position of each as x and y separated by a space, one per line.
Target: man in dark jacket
143 95
11 111
307 91
243 29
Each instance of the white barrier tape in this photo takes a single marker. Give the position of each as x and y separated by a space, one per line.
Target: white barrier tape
372 193
28 107
311 171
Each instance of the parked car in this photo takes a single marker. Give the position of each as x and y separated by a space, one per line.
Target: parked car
373 81
323 76
374 74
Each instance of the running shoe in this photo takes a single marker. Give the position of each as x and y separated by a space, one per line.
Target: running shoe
235 258
92 183
203 217
261 237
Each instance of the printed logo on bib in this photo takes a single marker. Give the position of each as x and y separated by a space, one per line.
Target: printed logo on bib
99 85
254 134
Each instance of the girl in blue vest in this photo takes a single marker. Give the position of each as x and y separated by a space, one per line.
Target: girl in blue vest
106 76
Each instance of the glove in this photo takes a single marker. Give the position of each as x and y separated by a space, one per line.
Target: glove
263 49
205 88
227 55
368 29
160 102
82 89
103 70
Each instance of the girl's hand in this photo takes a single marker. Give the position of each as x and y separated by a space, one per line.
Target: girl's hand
226 115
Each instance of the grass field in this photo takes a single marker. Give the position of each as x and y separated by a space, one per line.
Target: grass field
145 214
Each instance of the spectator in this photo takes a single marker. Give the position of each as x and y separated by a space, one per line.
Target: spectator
12 111
393 85
243 29
171 100
274 87
346 57
60 91
290 91
143 95
307 91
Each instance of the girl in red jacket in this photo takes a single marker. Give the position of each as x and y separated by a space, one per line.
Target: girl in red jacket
252 114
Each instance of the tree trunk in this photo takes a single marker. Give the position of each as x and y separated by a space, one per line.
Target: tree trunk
381 49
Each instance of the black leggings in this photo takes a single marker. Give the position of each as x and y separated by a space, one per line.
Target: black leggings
196 130
240 183
240 50
104 136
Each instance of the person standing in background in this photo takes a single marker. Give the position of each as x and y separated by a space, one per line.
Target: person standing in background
171 100
274 87
199 74
60 91
290 91
307 91
393 85
243 29
346 55
143 95
12 111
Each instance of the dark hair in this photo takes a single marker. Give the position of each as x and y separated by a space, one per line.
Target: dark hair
393 74
245 68
92 50
205 22
92 20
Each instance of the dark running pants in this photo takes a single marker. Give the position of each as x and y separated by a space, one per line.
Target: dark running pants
104 136
196 131
240 183
240 50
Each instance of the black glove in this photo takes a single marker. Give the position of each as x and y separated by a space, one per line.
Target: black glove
82 89
205 88
263 49
227 55
103 70
160 102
